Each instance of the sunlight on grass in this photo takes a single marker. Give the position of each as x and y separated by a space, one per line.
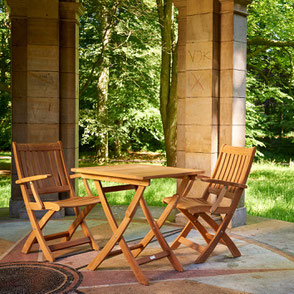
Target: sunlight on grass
5 191
270 191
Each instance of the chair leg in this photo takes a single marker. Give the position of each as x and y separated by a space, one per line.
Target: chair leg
32 237
225 238
219 234
37 233
79 221
175 244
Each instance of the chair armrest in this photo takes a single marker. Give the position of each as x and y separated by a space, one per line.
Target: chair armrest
33 178
74 176
225 183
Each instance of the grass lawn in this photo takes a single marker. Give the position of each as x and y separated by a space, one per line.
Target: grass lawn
269 194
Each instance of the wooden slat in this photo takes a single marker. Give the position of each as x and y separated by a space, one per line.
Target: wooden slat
153 257
118 188
54 168
69 244
56 236
192 245
139 172
60 168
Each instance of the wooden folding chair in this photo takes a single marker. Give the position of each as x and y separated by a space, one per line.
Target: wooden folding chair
41 170
227 181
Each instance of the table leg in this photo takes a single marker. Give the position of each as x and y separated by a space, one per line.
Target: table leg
118 233
184 188
162 242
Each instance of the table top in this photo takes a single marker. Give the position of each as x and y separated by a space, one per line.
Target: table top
140 172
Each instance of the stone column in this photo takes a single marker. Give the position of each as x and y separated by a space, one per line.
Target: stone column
233 47
69 80
35 76
198 88
211 83
44 78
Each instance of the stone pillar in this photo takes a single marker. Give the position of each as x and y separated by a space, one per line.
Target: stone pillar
44 55
233 47
211 83
198 86
69 80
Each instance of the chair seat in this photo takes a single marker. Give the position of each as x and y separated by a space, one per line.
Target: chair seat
71 202
196 205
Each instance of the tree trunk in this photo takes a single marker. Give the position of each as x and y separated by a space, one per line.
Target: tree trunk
102 114
168 80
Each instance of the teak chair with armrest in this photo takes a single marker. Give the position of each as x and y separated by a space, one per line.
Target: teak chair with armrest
228 180
41 170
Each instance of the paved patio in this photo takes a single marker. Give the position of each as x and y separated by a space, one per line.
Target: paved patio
266 265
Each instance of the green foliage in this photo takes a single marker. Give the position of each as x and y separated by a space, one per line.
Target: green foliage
270 107
132 54
5 98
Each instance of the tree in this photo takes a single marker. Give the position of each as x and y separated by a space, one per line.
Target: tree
122 51
5 61
168 78
270 107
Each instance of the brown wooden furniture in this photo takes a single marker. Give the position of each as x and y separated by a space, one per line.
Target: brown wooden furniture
227 181
41 170
135 177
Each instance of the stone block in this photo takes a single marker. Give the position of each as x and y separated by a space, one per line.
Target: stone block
43 32
232 111
181 112
19 110
201 139
203 161
43 8
68 134
69 111
69 60
19 84
43 84
181 58
240 28
233 83
17 8
42 110
19 32
43 58
18 58
232 135
202 6
203 27
182 29
227 27
71 156
202 83
181 137
233 55
42 133
19 132
181 89
181 159
69 86
200 55
201 111
239 218
69 34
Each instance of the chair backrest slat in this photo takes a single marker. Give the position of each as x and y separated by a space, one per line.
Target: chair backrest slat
38 159
233 165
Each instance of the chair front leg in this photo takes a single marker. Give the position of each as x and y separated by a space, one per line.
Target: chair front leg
225 238
32 237
219 235
37 234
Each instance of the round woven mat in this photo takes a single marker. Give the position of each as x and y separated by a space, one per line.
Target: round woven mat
38 277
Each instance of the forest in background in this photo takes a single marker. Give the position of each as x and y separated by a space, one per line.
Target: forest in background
128 72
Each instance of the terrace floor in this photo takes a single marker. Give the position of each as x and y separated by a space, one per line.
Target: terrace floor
266 265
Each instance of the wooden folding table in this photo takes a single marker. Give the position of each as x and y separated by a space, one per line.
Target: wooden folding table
136 176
